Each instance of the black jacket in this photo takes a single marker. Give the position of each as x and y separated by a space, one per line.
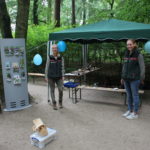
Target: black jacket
131 68
55 67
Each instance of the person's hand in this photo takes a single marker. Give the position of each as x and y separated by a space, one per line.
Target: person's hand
122 81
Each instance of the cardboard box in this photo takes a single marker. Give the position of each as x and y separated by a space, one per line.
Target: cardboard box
42 141
40 127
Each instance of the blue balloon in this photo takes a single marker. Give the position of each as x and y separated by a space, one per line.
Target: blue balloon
147 47
37 59
61 46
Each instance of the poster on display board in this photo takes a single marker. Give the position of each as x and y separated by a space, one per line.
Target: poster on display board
13 59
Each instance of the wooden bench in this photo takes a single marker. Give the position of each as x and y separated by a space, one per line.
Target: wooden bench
122 91
33 75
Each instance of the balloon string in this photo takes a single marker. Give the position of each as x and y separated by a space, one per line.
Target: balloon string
32 49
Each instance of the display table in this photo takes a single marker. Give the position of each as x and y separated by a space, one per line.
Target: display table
77 80
78 74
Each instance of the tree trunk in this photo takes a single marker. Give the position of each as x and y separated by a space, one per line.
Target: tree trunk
73 14
5 24
57 13
35 12
84 11
49 11
5 27
22 19
111 3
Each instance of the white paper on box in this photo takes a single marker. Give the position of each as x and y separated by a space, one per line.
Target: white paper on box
40 141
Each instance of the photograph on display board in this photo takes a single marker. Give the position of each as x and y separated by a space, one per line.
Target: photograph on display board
7 65
16 79
23 75
9 51
21 63
18 51
15 67
21 51
8 77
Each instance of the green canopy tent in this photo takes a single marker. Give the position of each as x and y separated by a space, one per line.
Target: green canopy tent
107 30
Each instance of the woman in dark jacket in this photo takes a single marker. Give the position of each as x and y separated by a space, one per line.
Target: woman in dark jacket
133 73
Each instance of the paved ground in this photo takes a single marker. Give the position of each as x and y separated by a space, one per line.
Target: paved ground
95 123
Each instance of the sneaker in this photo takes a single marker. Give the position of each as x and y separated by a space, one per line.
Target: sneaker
54 107
127 113
132 116
60 105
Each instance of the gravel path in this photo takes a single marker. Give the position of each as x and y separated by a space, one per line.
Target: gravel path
95 123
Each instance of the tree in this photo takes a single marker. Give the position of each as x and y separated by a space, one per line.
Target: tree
35 12
135 10
57 13
111 3
84 11
73 13
5 24
49 11
5 27
22 19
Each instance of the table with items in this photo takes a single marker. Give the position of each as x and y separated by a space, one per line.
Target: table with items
75 79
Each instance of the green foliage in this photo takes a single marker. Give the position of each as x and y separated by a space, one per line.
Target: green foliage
96 10
38 34
134 10
36 43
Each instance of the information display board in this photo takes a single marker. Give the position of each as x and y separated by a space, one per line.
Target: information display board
14 71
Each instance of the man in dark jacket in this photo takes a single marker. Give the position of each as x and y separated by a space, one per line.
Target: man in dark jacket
54 73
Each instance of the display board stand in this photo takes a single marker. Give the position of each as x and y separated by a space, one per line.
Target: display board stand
13 57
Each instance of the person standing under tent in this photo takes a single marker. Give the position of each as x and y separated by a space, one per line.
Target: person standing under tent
54 73
133 73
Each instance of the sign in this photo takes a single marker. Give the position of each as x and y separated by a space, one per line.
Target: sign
13 57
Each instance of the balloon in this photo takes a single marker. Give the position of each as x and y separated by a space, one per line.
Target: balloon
61 46
37 59
147 47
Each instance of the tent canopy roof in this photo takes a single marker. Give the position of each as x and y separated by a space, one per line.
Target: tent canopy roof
107 30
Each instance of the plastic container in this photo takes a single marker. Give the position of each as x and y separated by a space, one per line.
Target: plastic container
41 141
71 84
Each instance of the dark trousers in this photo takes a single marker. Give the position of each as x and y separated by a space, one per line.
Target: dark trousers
59 83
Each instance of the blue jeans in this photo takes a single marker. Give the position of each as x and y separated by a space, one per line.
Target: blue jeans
132 88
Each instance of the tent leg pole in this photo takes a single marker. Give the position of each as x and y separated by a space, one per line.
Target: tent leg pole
84 60
83 56
49 52
86 53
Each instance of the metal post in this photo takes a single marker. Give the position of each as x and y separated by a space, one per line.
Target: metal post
49 44
87 54
84 53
